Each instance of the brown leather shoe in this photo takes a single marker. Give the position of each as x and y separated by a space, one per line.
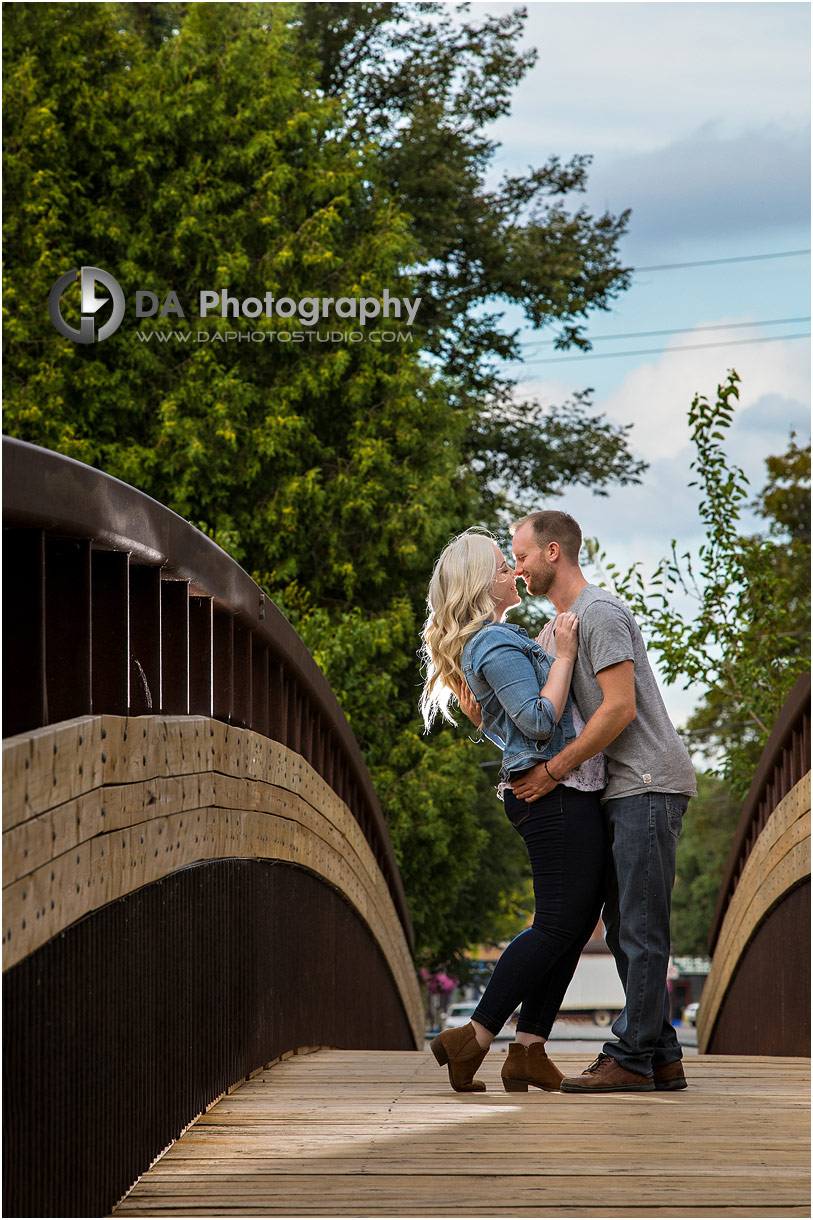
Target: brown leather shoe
669 1076
460 1049
526 1065
606 1075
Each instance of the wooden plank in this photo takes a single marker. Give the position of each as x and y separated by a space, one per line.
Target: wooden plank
512 1164
63 762
700 1187
779 859
344 1133
776 869
626 1213
100 806
414 1195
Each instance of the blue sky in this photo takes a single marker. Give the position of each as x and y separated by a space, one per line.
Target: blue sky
698 119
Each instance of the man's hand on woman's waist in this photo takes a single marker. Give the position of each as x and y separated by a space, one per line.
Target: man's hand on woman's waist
612 716
537 782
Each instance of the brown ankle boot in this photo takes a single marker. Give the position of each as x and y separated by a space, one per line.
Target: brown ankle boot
460 1049
526 1065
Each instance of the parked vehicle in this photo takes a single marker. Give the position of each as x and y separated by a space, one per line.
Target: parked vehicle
690 1013
595 990
463 1011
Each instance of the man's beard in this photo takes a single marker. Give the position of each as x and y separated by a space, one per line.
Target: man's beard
541 581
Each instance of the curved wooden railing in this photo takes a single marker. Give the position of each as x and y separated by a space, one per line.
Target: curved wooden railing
757 996
197 872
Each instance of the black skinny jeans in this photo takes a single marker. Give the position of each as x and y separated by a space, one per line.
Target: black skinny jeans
564 832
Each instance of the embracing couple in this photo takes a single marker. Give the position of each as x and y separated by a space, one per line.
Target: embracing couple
595 779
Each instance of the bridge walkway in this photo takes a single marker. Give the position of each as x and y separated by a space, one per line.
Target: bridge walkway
372 1133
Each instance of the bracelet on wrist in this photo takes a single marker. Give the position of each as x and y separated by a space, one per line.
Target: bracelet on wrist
553 777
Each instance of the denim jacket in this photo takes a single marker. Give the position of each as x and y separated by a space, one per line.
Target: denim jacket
505 671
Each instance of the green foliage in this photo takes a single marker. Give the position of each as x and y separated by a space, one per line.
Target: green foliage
462 863
746 637
776 614
310 150
424 82
516 448
785 500
264 448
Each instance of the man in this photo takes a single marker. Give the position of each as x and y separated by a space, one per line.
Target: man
651 779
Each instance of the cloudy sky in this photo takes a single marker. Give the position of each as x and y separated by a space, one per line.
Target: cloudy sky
697 116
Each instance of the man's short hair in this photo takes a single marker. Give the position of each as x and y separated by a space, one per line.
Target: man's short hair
553 526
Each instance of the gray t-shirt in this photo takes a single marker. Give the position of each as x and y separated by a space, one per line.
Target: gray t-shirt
648 756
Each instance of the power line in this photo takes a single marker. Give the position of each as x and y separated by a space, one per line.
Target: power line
715 728
684 330
662 351
716 262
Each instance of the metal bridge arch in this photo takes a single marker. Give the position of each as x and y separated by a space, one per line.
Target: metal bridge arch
197 872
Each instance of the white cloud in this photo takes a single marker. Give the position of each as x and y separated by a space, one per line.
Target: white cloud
708 185
771 411
696 115
655 397
638 522
637 76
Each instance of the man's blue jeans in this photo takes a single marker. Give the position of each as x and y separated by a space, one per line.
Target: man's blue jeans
642 837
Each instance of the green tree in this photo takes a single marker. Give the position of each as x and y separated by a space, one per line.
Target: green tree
745 638
265 449
204 146
746 635
426 82
776 609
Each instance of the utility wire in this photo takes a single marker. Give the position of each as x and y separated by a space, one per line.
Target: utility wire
684 330
661 351
717 728
716 262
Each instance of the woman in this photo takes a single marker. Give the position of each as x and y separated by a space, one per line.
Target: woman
466 642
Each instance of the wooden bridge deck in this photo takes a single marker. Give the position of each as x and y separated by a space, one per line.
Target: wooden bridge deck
369 1133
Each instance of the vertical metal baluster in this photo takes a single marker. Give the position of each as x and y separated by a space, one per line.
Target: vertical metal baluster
109 634
223 665
25 705
242 674
67 629
276 701
329 754
259 688
145 640
200 655
294 704
306 724
175 647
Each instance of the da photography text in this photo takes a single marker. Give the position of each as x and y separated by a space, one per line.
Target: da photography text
308 310
221 303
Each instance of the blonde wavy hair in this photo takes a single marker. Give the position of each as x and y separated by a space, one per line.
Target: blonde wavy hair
458 601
